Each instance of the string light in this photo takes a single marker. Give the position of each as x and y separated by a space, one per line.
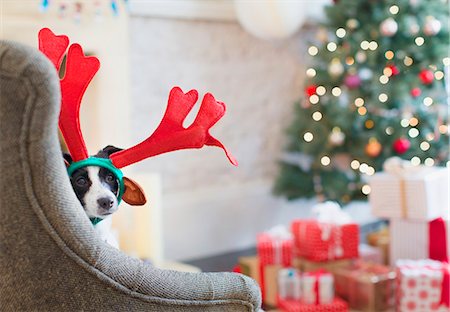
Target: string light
314 99
354 164
373 45
349 60
311 72
387 71
389 55
321 90
419 41
446 61
415 161
429 137
365 45
362 111
363 167
370 171
313 50
389 130
404 122
384 79
443 129
394 9
427 101
413 132
308 137
366 189
325 160
438 75
317 116
369 123
429 162
331 46
340 32
413 122
336 91
408 61
383 97
424 146
359 102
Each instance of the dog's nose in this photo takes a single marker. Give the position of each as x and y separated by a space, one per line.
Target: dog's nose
105 202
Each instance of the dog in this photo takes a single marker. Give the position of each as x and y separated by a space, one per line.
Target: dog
97 189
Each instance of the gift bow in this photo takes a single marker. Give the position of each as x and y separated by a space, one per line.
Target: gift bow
331 212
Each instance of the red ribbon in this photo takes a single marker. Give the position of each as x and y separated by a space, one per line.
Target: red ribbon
445 290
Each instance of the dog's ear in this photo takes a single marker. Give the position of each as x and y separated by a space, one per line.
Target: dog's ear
134 195
67 159
108 150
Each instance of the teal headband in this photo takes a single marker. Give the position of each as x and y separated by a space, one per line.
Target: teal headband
104 163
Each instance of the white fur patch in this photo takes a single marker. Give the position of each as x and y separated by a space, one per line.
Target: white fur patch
96 191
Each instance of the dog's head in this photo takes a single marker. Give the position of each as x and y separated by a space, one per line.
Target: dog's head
97 188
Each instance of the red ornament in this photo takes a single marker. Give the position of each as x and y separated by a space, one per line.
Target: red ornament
394 69
310 90
401 145
416 92
426 76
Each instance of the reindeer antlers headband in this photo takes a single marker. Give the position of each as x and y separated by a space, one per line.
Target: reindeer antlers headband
170 134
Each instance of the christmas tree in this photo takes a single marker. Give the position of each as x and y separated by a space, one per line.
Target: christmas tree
375 89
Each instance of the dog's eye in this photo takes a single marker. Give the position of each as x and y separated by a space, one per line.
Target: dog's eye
110 178
81 181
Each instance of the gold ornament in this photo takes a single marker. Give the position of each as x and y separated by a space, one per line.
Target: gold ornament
373 148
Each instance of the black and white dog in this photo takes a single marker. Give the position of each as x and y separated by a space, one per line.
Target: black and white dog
97 189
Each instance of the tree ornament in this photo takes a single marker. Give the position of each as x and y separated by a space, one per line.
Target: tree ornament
426 76
335 68
365 73
401 145
388 27
432 26
337 137
394 69
352 81
415 92
373 147
310 90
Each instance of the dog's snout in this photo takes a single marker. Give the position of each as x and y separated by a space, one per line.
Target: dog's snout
105 202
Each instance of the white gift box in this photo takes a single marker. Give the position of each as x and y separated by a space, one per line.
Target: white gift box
420 285
418 193
325 288
289 284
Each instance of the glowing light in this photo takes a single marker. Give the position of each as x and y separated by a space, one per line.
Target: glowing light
413 122
317 116
446 61
443 129
387 71
424 146
349 60
384 79
369 124
429 137
362 110
354 164
311 72
413 132
394 9
383 97
370 171
373 45
308 137
427 101
389 130
336 91
415 161
314 99
331 46
365 45
340 32
419 41
438 75
359 102
408 61
389 55
313 50
404 122
321 90
366 189
363 167
429 162
325 160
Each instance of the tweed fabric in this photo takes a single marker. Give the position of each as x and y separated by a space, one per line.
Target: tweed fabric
50 257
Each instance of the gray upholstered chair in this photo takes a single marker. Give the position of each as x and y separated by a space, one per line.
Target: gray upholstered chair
50 257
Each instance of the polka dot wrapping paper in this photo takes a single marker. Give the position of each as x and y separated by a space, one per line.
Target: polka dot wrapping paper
421 285
289 305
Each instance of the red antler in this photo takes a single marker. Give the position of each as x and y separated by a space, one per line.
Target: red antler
171 135
79 72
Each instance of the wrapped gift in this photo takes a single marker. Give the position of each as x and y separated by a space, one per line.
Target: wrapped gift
331 236
405 191
250 266
289 284
416 239
290 305
422 285
275 247
366 286
269 283
306 265
381 240
371 254
317 287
